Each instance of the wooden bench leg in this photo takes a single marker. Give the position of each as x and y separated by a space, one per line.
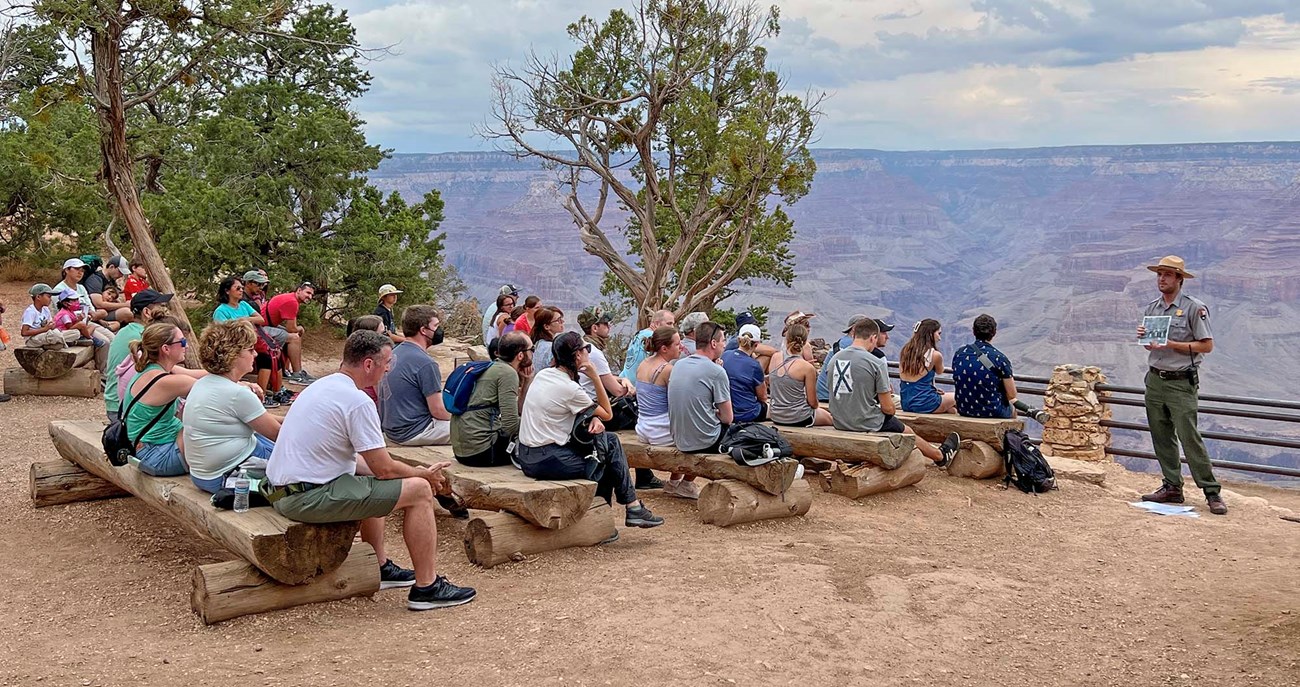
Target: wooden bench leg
728 502
495 538
976 460
81 382
856 481
55 482
228 590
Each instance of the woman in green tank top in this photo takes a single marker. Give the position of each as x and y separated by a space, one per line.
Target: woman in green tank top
160 450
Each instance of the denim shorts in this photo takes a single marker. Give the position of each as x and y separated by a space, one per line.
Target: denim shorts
161 460
262 450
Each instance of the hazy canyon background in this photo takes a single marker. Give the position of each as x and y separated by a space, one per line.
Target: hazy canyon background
1050 241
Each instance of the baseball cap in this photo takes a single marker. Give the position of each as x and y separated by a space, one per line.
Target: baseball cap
751 331
506 290
255 277
854 320
745 318
593 315
119 262
66 294
388 289
146 298
40 290
883 326
73 262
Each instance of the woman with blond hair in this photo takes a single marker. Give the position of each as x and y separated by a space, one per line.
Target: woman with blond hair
151 401
918 363
792 385
225 423
662 348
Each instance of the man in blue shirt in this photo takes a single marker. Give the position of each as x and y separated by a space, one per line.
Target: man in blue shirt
983 379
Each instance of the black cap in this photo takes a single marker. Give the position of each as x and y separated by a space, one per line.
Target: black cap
146 298
884 327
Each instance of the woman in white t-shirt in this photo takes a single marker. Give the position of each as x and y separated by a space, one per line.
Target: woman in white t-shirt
225 422
552 405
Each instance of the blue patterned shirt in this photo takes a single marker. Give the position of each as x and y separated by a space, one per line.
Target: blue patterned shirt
979 390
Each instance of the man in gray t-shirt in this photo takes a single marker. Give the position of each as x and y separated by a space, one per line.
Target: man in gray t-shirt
860 394
410 395
699 396
857 379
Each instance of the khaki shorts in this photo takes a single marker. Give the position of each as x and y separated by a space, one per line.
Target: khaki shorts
347 498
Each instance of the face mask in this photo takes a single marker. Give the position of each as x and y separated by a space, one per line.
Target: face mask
437 336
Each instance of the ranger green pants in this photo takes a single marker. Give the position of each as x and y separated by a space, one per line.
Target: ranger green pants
1171 415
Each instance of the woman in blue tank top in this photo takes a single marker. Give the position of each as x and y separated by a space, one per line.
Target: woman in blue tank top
918 363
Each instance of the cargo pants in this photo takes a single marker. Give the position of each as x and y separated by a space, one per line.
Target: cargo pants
1171 414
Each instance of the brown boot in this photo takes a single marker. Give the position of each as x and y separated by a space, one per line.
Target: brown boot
1217 506
1167 493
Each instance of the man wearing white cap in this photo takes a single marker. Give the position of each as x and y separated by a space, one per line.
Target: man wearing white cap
388 298
1172 383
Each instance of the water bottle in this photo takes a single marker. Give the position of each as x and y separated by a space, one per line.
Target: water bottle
241 492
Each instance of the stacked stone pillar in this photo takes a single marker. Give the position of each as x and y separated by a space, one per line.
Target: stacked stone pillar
1077 409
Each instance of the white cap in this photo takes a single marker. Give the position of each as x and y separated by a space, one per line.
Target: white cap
387 289
73 262
751 331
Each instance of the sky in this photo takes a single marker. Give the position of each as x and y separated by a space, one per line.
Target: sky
899 74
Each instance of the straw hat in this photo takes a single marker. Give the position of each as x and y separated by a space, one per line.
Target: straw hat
1174 263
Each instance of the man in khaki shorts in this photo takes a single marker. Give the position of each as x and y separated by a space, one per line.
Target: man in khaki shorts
330 465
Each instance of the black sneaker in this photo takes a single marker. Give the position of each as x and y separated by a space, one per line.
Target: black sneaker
948 449
457 510
645 479
392 575
440 594
640 516
284 397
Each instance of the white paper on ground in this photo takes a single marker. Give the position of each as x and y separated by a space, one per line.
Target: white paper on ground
1166 509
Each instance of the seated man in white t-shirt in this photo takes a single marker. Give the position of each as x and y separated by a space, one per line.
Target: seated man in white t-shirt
330 465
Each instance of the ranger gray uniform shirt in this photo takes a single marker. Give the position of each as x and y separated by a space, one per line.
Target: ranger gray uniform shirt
1189 321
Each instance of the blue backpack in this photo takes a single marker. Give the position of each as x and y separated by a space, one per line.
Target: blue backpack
460 384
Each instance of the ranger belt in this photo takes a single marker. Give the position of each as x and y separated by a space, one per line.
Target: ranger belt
1173 374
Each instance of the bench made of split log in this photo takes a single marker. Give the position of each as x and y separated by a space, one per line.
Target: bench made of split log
52 363
883 449
772 478
81 382
936 427
549 504
288 552
726 502
495 538
228 590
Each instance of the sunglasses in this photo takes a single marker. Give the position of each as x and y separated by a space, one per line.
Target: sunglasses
184 342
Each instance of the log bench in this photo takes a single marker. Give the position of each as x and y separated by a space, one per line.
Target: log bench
936 428
295 563
881 449
54 372
773 478
535 516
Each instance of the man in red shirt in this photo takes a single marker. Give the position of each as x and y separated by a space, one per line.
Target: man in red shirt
282 311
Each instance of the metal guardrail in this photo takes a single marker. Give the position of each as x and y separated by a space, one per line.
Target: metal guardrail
1256 409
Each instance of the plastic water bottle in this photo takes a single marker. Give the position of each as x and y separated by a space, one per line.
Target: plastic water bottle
241 492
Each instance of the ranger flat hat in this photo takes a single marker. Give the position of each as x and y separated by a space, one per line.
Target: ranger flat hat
1174 263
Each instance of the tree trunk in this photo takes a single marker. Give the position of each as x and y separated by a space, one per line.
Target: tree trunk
119 173
43 363
495 538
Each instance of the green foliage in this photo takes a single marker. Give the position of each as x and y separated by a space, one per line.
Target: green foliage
679 94
251 157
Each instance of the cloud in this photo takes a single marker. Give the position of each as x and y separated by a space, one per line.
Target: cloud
903 73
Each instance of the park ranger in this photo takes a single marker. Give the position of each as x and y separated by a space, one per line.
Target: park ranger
1172 384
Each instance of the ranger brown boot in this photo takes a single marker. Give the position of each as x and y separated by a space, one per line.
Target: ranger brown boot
1217 506
1167 493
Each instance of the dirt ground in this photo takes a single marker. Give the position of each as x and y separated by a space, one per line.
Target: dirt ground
952 582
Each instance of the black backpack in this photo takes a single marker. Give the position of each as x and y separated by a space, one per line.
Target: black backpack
1026 466
754 444
116 442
